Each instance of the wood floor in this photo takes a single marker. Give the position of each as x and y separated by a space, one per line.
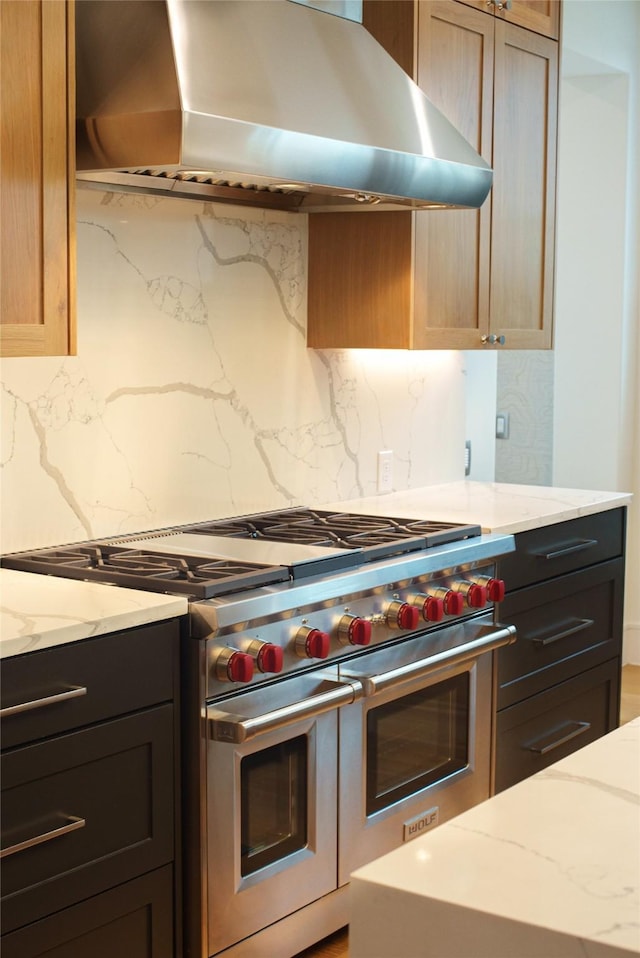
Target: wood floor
337 945
630 697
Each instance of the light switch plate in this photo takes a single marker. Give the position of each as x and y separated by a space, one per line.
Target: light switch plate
502 425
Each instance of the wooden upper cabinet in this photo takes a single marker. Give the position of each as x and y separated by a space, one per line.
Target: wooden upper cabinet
37 228
451 279
523 203
541 16
453 247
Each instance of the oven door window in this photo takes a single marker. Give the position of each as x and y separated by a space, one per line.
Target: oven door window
417 740
273 788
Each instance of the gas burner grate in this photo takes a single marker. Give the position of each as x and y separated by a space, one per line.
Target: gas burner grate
377 536
194 576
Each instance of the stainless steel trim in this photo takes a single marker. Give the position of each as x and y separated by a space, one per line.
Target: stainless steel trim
72 825
212 614
224 727
487 642
53 699
578 729
580 626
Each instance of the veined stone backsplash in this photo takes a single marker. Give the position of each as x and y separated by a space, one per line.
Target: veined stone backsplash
193 394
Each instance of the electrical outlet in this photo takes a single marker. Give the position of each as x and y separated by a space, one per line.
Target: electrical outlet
467 457
385 470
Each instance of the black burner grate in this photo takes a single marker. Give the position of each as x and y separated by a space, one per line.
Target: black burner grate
194 576
206 577
378 536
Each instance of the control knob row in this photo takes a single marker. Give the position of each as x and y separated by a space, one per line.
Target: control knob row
313 644
474 592
479 589
233 665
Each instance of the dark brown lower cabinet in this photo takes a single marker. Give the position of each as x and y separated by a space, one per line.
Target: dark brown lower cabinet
89 804
113 781
549 726
558 685
133 920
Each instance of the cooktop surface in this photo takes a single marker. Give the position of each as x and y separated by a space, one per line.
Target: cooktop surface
209 559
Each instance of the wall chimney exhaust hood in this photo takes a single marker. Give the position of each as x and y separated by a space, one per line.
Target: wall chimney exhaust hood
270 103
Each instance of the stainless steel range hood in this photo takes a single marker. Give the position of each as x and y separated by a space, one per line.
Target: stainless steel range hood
270 103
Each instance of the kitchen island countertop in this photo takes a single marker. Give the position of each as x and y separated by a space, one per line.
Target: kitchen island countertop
496 506
38 611
549 867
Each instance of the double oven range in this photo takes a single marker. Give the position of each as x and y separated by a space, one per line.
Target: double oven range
337 681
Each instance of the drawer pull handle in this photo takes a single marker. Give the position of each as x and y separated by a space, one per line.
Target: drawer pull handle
577 728
567 550
72 693
71 825
580 626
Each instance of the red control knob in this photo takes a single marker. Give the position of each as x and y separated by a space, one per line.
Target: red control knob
474 594
312 643
433 609
352 630
452 602
234 666
401 615
270 658
496 590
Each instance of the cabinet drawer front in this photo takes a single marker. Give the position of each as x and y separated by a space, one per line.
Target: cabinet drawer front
57 689
564 626
134 920
554 550
113 784
547 727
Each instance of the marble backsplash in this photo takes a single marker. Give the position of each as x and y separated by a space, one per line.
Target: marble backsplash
193 394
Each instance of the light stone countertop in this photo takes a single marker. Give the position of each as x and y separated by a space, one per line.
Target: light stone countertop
497 507
549 868
40 611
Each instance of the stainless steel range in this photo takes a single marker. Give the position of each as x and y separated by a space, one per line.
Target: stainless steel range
338 683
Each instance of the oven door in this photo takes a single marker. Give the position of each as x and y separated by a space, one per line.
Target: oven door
417 749
271 802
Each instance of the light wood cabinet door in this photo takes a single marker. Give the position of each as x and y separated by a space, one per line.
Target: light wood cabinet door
523 201
37 251
541 16
453 247
452 279
498 84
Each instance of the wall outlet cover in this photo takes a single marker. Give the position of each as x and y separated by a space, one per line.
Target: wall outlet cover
385 470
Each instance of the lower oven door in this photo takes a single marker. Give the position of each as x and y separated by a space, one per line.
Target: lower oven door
417 749
271 802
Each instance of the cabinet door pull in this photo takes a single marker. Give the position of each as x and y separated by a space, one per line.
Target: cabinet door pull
577 728
72 824
579 626
53 699
567 550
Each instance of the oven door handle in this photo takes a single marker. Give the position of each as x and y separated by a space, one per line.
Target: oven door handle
225 727
490 638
